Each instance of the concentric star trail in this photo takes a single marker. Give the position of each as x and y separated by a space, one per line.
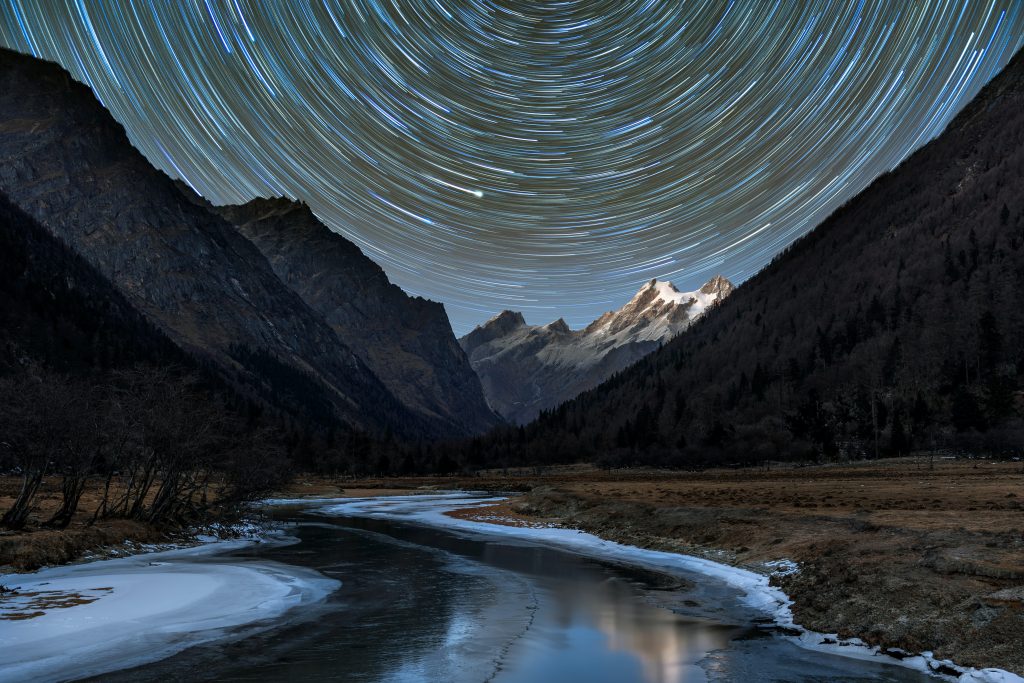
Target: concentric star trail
542 156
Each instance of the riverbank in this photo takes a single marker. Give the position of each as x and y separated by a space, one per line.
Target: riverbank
905 554
36 546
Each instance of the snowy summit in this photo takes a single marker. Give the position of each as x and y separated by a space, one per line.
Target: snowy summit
528 368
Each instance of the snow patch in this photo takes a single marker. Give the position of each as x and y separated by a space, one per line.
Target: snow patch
782 567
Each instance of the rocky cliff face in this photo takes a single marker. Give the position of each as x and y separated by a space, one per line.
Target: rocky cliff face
529 368
406 341
69 165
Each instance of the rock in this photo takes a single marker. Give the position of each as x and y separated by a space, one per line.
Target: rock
1007 597
406 341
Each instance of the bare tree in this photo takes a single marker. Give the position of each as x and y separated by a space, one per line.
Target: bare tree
33 406
81 436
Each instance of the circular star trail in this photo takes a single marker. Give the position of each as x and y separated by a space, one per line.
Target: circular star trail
542 156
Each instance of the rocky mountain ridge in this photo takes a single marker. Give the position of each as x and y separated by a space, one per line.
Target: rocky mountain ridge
406 341
529 368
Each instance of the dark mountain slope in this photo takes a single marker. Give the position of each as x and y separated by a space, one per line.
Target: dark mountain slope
896 324
406 341
58 312
92 390
68 164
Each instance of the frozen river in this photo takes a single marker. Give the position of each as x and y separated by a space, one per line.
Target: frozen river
421 603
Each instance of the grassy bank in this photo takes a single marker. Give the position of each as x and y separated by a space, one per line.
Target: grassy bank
36 546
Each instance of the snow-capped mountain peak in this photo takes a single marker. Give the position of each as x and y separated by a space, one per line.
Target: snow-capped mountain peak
659 311
664 290
526 368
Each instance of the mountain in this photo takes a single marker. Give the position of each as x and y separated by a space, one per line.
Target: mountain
90 389
57 311
895 325
70 166
406 341
529 368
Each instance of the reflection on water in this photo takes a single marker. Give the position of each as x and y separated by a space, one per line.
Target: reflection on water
603 633
418 604
665 647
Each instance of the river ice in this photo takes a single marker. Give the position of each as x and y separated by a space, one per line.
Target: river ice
81 620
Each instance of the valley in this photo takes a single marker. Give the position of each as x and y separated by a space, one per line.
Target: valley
343 341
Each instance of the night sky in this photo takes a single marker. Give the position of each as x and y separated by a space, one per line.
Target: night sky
547 157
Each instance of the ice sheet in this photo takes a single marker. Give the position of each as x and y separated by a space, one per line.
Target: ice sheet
114 614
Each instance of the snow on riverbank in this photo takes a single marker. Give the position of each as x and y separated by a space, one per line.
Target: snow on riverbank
75 621
431 509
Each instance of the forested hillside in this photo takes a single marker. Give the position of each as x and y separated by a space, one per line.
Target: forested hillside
897 324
